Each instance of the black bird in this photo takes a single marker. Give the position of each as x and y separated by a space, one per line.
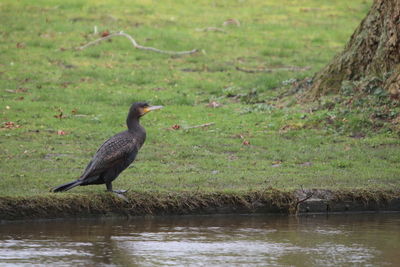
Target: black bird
116 154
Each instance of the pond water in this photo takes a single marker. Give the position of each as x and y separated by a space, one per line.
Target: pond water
222 240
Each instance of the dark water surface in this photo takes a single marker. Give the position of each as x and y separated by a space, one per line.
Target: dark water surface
223 240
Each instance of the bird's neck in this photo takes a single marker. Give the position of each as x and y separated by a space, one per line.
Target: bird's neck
133 123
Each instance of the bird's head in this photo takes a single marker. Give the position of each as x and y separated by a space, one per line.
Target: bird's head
139 109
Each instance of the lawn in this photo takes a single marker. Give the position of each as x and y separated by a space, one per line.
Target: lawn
59 103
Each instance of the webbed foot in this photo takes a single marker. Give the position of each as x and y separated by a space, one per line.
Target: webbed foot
122 191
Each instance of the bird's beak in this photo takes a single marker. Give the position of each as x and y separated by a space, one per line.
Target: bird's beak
148 109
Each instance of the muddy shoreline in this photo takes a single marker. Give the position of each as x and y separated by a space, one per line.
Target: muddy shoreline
71 205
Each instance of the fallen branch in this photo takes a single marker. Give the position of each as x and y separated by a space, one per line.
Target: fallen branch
136 45
309 195
298 202
200 126
293 68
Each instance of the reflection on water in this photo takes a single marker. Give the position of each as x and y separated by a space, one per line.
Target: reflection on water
335 240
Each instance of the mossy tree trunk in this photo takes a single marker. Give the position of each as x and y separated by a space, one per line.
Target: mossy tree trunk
372 51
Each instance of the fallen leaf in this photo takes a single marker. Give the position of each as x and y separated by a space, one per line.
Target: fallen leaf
238 136
20 45
232 157
214 104
290 127
65 84
59 116
105 33
46 35
10 125
246 142
231 22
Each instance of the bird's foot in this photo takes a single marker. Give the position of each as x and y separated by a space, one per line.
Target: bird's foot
121 192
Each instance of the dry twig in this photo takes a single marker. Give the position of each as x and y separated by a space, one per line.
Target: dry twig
136 45
298 202
309 195
200 126
291 68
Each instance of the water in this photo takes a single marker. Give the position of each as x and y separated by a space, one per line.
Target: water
223 240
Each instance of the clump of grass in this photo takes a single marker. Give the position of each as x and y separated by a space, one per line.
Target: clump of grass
361 108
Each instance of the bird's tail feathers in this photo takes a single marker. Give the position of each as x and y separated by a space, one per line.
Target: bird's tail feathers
67 186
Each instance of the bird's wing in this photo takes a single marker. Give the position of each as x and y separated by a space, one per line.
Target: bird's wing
116 151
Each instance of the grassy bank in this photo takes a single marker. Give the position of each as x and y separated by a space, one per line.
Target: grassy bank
59 104
184 203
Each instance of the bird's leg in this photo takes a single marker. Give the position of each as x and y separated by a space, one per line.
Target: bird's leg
109 189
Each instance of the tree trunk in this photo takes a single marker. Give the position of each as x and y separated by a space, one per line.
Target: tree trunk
372 51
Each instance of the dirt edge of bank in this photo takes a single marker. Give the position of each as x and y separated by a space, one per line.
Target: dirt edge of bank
68 205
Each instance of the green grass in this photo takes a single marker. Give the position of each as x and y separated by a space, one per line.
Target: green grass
42 75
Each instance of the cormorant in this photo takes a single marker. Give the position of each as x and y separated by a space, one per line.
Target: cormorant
116 154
